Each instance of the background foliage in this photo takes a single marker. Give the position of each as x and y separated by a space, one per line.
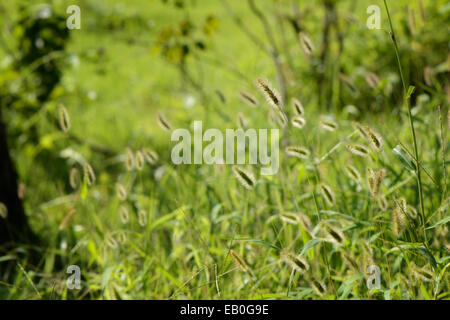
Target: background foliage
188 60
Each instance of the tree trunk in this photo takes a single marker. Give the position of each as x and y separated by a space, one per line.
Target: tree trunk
15 227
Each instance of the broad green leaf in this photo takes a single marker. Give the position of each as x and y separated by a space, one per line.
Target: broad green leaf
440 222
310 244
405 158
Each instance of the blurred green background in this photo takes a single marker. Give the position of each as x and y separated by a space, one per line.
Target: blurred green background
188 60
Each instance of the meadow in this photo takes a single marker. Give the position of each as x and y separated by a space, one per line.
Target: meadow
357 210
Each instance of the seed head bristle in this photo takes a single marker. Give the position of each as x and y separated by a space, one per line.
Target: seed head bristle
334 234
374 180
296 262
241 121
319 287
282 118
240 262
297 151
248 98
89 174
297 107
360 129
327 194
142 217
358 149
163 122
129 159
150 156
64 118
353 173
372 79
74 178
306 43
272 96
350 261
305 221
422 274
121 192
328 125
123 214
375 140
289 217
139 160
246 178
298 122
21 190
3 211
111 242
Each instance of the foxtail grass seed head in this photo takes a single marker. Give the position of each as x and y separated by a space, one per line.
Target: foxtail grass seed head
121 192
111 242
397 222
150 156
375 140
305 222
64 118
358 149
248 98
319 287
89 174
163 122
272 96
139 160
21 190
122 237
142 217
372 79
297 152
334 233
327 194
124 214
129 159
422 274
245 177
3 211
67 219
350 260
298 122
367 258
282 118
294 261
289 217
241 121
374 180
360 129
74 178
297 107
306 43
353 173
328 125
240 262
411 212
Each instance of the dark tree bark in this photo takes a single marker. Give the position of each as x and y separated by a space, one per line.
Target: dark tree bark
15 227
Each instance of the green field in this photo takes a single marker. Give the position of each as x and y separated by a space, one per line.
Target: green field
169 231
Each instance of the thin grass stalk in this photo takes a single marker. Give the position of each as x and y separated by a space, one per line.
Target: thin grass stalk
411 123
